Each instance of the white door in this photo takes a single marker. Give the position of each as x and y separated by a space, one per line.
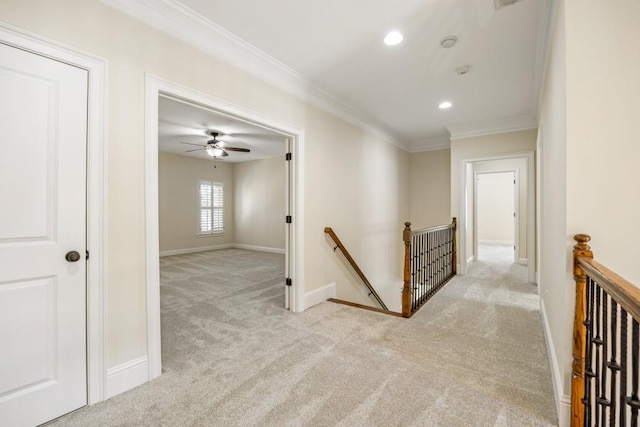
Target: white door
43 127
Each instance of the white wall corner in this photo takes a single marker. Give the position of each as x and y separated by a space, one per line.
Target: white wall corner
492 127
319 295
523 261
563 402
432 144
127 375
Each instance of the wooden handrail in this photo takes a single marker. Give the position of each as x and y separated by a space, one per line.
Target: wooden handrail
354 265
624 292
590 336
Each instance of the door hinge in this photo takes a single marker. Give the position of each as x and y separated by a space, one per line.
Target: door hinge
287 156
288 219
288 281
87 254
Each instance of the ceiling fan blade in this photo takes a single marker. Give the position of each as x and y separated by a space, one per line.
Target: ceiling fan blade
190 143
196 149
241 150
224 154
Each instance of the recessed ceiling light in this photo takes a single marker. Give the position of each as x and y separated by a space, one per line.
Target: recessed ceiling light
444 105
393 38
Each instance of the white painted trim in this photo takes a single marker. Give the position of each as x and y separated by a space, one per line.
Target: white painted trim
319 295
259 248
470 260
127 375
511 124
196 250
563 402
495 242
96 191
181 22
155 87
523 261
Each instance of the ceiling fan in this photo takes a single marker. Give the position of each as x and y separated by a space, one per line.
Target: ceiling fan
214 147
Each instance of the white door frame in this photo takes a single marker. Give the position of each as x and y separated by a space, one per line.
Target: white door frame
155 87
516 209
462 195
96 190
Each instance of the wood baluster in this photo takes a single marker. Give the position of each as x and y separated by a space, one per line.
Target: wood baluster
581 249
406 290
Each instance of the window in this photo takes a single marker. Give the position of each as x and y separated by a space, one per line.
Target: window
210 208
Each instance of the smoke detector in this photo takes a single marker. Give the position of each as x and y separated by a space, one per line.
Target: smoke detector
463 70
502 3
448 42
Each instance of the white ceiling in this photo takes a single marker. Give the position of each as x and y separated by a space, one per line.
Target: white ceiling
334 49
183 122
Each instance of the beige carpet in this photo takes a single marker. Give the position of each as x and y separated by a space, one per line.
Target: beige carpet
474 356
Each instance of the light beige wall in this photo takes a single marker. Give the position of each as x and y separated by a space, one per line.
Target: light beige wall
178 201
494 208
603 105
260 202
363 190
430 188
519 164
554 263
589 154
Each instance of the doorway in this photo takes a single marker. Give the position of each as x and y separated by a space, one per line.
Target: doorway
157 88
525 212
496 215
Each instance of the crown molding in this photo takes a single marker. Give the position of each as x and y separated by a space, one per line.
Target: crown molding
181 22
431 144
491 127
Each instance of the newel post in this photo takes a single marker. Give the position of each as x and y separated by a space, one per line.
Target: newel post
454 223
580 250
406 289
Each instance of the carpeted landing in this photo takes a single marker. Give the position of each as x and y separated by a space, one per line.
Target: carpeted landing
232 356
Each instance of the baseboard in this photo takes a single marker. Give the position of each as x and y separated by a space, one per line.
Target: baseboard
563 402
523 261
196 250
218 247
127 375
259 248
319 295
495 242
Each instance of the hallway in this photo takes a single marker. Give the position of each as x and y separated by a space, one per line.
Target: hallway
473 356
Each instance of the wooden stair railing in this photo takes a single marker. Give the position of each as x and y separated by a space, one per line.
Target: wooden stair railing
430 261
606 346
355 267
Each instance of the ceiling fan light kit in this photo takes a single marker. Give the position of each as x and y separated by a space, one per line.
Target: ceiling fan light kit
214 147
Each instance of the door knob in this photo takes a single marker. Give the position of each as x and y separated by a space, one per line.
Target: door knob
72 256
